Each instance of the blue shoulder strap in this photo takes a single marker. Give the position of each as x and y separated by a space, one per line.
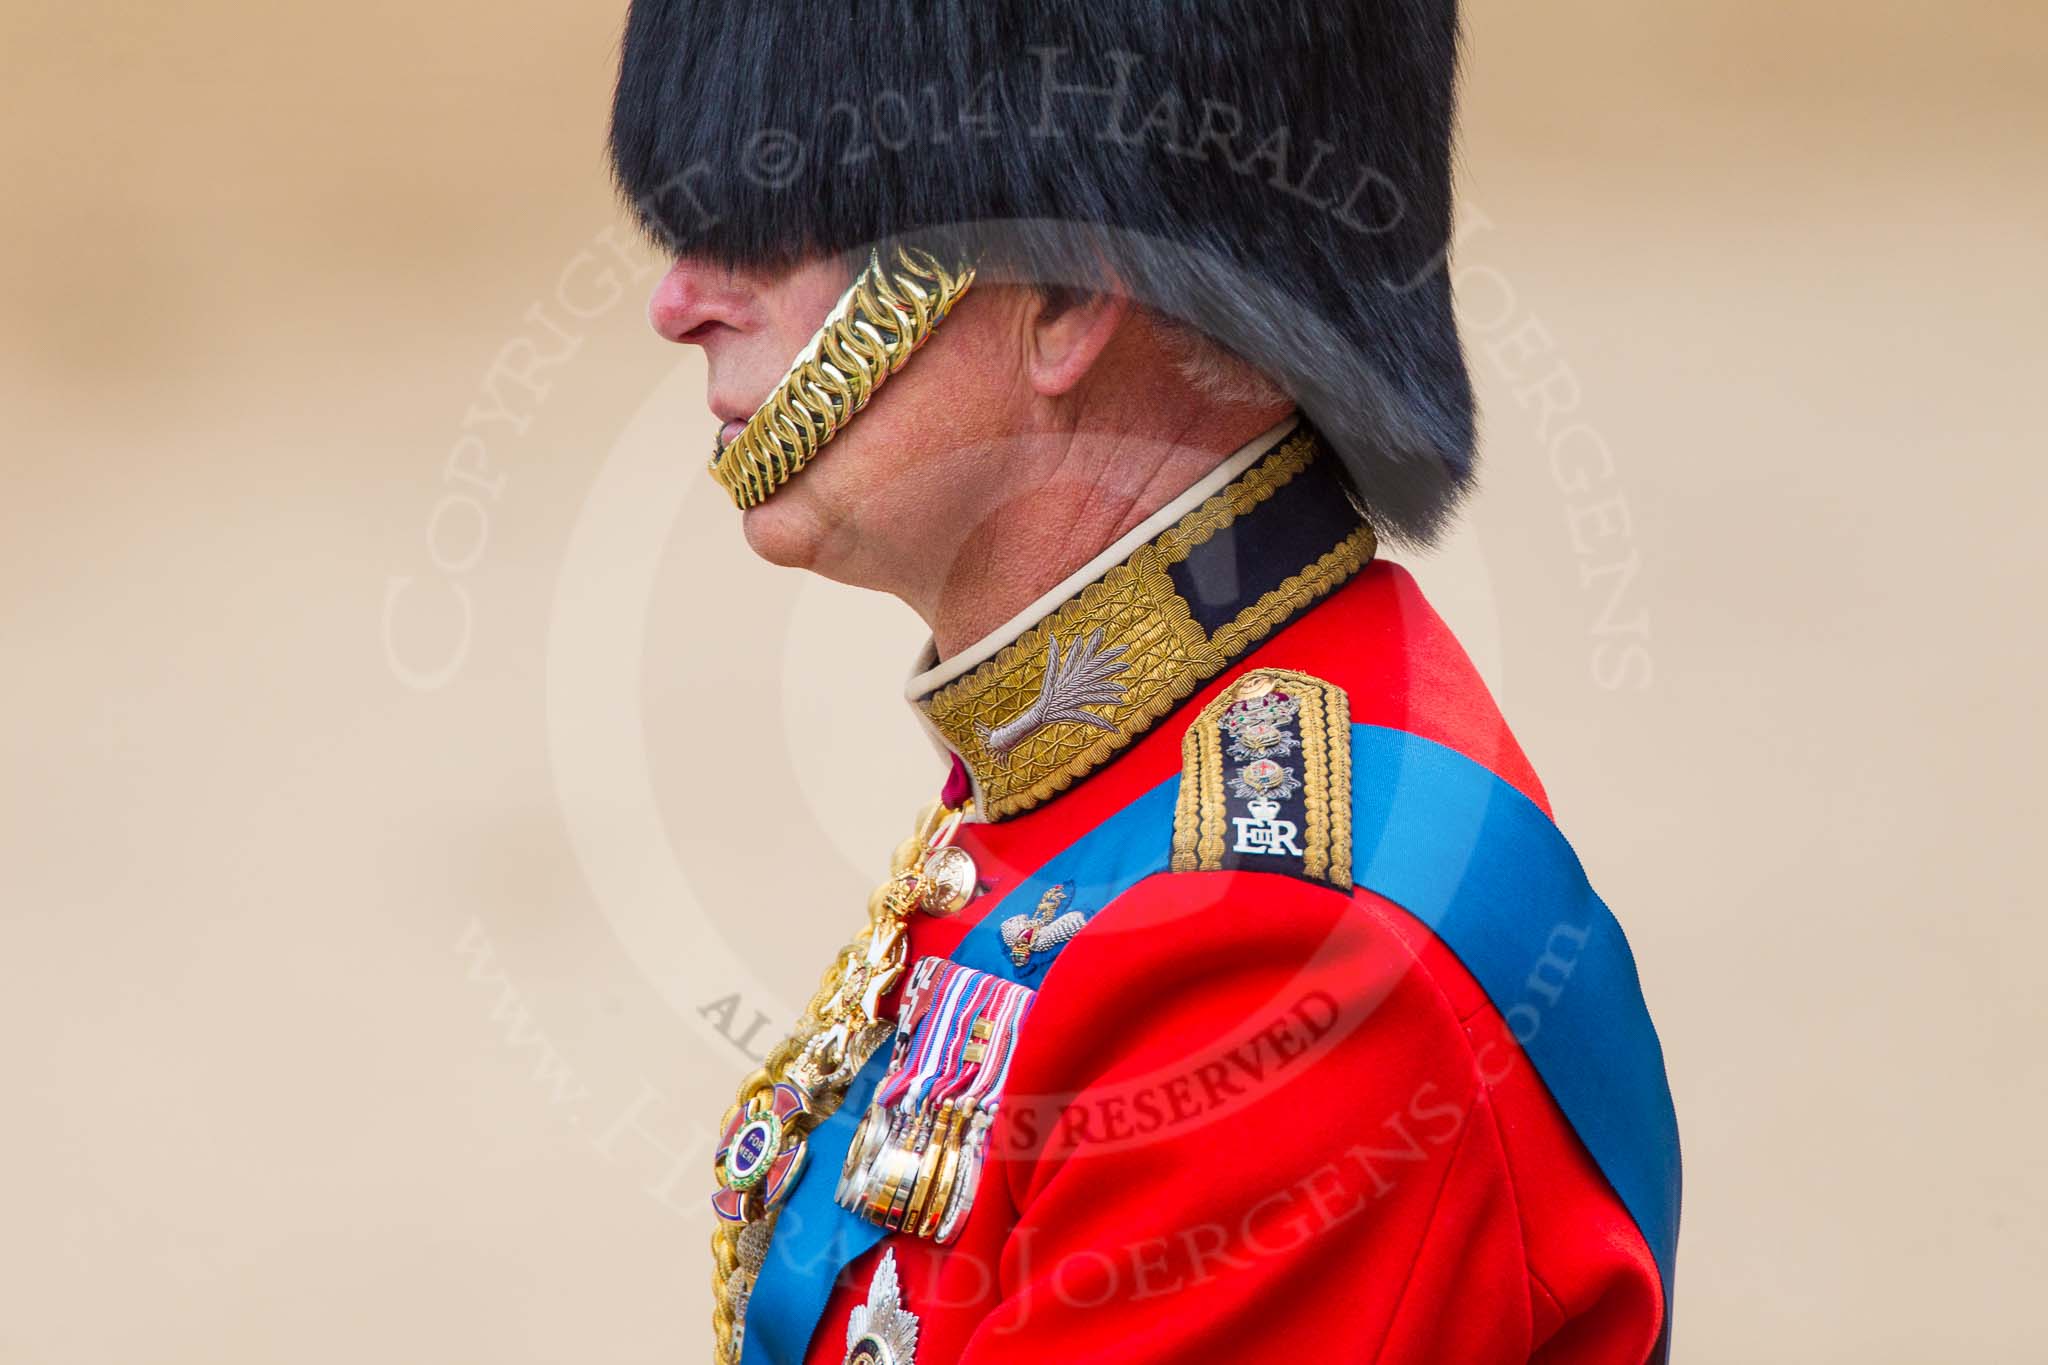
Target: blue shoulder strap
1478 862
1449 842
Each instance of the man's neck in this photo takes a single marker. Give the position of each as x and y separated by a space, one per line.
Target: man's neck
1091 490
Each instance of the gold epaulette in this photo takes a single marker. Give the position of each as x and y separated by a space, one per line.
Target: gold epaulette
1265 780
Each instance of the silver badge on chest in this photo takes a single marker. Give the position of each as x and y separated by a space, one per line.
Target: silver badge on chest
882 1331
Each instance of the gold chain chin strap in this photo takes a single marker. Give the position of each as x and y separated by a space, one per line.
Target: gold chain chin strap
832 1039
887 313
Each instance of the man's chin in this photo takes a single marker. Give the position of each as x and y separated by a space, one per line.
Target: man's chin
784 531
809 522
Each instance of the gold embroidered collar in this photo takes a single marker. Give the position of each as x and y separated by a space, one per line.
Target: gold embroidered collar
1241 553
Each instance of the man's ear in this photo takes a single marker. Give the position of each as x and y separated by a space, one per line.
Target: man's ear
1066 334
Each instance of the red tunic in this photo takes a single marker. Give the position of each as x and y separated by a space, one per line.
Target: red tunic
1206 1183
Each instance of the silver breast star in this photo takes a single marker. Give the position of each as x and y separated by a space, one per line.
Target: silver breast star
881 1331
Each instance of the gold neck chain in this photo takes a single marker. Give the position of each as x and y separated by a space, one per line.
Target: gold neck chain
833 1038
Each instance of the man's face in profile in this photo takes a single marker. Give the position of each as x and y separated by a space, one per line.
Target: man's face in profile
908 477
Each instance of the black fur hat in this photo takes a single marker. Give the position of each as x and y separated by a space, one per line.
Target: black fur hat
1276 173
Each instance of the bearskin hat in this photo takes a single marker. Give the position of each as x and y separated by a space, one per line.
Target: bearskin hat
1275 173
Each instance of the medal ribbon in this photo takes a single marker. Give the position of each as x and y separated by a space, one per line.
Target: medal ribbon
945 1079
933 1068
931 1042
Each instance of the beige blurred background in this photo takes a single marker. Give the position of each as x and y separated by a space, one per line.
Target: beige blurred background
390 709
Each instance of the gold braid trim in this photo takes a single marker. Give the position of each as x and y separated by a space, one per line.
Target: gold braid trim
1187 806
732 1279
1233 500
1166 655
1338 721
887 313
1315 781
1198 809
1257 621
1211 848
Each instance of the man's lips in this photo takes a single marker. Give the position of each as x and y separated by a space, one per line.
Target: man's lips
732 419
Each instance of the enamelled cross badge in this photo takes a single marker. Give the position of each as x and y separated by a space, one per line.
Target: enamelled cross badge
751 1154
917 1155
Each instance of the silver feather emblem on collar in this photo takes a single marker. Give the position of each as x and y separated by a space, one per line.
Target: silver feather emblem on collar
1085 677
881 1331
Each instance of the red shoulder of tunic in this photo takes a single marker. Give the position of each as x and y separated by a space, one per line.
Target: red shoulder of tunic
1253 1114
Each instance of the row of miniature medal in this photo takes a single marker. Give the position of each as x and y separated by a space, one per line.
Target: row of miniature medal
916 1158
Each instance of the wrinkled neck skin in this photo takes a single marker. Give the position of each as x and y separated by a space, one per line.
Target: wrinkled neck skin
1058 500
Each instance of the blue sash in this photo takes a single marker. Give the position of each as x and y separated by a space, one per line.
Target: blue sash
1453 845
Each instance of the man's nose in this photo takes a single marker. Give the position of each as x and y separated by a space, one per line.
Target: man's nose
695 298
